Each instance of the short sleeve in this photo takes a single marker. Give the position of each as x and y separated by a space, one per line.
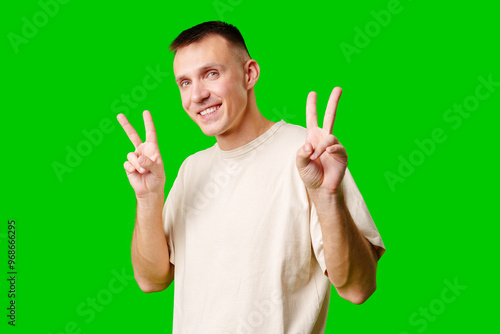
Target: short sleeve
317 238
360 215
173 210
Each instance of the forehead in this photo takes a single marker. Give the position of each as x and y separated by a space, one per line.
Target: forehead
211 49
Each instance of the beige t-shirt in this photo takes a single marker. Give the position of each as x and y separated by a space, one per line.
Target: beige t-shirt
246 242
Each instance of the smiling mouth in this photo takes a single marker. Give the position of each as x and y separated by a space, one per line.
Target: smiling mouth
210 110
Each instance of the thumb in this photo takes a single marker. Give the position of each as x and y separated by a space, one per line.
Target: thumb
148 164
303 156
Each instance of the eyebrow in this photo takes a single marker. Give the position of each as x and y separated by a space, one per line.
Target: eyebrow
201 69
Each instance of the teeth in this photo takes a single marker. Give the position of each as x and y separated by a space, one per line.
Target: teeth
209 110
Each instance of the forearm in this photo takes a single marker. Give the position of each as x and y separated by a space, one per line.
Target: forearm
350 259
150 257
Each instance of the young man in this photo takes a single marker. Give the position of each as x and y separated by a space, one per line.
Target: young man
257 227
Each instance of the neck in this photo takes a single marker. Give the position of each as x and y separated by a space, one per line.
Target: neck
249 126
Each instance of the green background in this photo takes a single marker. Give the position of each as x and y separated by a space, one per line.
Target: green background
74 234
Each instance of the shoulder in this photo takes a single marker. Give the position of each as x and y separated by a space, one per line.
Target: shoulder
291 135
199 158
293 130
289 138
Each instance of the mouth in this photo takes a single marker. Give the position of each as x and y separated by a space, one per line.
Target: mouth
209 111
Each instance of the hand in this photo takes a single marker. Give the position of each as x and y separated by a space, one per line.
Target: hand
144 166
322 161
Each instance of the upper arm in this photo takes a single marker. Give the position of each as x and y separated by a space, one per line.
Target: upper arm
375 250
171 274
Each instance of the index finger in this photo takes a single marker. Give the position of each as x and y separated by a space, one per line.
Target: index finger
331 109
129 130
150 127
311 113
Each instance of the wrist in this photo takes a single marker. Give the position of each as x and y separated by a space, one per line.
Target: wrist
149 210
150 199
328 204
322 194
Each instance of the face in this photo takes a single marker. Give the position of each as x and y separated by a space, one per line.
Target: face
213 85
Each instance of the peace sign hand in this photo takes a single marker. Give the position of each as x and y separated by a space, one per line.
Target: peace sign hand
322 161
144 166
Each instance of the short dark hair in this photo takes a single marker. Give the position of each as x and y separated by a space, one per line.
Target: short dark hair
202 30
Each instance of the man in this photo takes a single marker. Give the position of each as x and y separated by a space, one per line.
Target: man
257 227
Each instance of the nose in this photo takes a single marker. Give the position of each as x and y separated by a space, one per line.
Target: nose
199 92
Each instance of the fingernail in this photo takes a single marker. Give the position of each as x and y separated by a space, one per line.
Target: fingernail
141 170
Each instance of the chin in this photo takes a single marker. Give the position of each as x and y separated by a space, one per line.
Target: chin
209 131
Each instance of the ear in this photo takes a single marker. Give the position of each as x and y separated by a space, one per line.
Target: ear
252 72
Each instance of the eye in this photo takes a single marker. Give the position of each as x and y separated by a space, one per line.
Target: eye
184 83
212 74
